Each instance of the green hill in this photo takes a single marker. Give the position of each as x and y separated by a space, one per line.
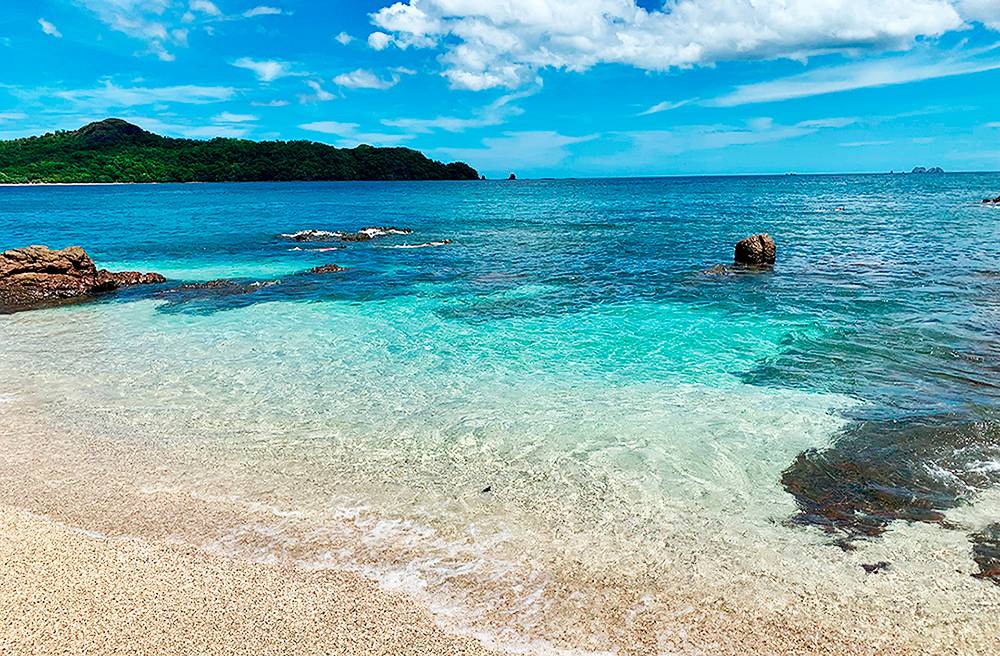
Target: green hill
114 150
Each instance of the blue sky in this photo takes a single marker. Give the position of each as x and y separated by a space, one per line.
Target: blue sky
540 87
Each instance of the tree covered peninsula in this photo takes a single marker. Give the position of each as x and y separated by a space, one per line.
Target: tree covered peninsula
114 150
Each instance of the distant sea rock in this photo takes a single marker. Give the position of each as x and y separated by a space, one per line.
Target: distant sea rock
757 250
37 276
992 201
933 169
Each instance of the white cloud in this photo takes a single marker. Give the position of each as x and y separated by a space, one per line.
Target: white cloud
350 134
262 10
666 106
319 93
270 103
518 150
379 40
986 12
12 116
229 117
364 79
343 38
491 44
266 70
111 95
848 77
206 7
864 144
331 127
646 149
150 21
49 28
496 113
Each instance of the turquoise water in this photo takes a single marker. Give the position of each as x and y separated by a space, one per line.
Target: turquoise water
564 393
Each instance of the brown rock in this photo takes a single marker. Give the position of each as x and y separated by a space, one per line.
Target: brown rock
37 275
758 250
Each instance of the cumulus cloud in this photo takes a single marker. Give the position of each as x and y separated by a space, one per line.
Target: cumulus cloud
379 40
504 44
49 28
343 38
986 12
364 79
266 70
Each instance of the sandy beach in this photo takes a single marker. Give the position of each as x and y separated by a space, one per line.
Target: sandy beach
67 592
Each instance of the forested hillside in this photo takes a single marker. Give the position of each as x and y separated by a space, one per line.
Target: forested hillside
114 150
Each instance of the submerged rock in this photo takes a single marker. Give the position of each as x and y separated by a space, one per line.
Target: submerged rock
992 201
986 553
881 471
37 275
757 250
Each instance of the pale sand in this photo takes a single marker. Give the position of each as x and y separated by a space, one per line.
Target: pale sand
65 592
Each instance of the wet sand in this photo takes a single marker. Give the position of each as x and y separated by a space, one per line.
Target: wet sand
66 592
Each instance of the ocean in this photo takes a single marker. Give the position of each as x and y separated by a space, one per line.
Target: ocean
567 430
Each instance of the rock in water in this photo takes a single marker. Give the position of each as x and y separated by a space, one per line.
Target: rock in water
37 275
327 268
758 250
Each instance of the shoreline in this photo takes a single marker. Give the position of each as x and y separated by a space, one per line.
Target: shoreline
65 590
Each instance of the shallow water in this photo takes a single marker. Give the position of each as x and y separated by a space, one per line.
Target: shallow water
557 429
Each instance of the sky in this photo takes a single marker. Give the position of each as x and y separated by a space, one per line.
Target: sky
544 88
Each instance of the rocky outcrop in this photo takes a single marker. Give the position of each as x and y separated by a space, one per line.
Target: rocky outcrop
758 250
37 276
992 201
933 169
365 234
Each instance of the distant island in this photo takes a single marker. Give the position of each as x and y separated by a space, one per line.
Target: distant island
933 169
114 150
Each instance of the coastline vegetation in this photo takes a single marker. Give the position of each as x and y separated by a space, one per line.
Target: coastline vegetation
114 150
